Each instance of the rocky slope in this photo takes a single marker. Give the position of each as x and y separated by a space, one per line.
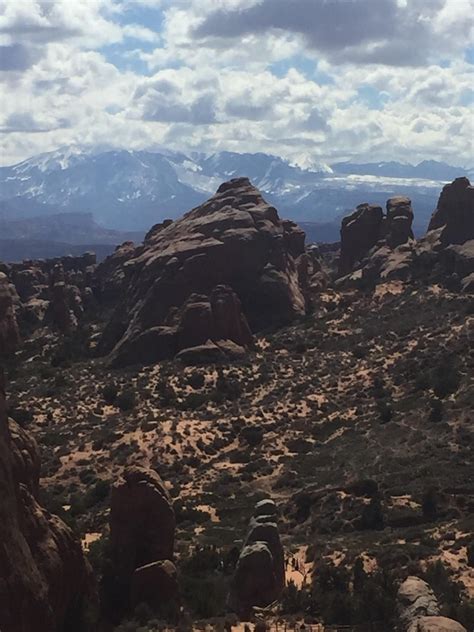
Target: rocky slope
353 415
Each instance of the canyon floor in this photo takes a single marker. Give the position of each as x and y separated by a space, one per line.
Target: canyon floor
356 420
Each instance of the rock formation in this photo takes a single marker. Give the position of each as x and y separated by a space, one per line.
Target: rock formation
444 255
260 572
398 221
232 251
359 233
419 609
367 226
54 292
45 583
9 334
142 526
455 212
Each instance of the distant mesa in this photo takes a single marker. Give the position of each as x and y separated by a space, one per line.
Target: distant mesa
206 281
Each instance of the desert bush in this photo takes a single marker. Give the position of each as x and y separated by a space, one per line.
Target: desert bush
126 400
109 393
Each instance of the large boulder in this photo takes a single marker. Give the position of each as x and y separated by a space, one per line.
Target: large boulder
444 255
254 581
455 212
436 624
45 581
259 577
142 521
234 252
419 609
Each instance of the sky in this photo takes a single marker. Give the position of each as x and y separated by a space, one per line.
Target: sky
313 81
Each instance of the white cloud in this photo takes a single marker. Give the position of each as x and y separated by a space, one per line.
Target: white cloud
259 80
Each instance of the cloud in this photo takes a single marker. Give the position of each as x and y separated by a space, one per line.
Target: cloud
16 57
26 122
308 80
386 32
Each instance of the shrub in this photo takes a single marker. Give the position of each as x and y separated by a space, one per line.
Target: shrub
126 400
96 494
436 410
445 379
109 393
196 380
429 504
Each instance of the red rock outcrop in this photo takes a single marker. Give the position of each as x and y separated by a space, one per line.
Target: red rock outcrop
455 212
235 239
360 231
53 292
142 529
259 577
398 221
44 578
9 334
367 226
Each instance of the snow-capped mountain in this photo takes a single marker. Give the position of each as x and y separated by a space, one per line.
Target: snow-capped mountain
131 190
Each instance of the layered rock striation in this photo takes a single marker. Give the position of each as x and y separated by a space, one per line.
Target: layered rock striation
246 268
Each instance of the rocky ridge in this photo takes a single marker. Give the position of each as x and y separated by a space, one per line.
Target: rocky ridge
444 254
234 240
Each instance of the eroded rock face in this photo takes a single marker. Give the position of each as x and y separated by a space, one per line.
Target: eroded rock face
455 212
398 221
444 255
110 278
259 577
419 609
359 233
142 521
9 334
45 582
54 292
235 252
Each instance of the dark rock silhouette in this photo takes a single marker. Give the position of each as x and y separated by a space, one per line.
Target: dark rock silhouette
455 212
9 334
359 233
398 221
259 577
142 530
45 581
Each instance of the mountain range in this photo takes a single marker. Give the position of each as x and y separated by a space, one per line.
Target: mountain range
110 193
